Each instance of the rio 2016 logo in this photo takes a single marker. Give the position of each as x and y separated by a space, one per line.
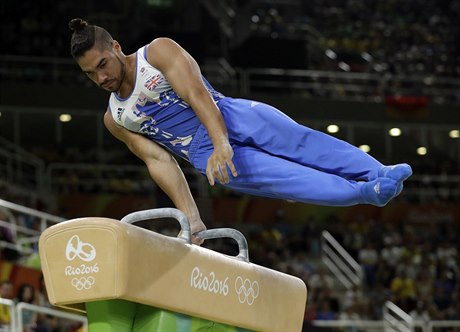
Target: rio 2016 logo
246 290
83 283
76 248
208 282
86 252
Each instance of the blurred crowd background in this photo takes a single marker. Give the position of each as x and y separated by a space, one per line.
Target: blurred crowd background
365 67
400 37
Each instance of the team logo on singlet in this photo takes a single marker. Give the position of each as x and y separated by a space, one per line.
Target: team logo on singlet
120 111
153 82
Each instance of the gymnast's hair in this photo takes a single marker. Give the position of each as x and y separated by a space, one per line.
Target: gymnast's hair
85 36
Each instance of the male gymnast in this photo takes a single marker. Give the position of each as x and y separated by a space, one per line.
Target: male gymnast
160 104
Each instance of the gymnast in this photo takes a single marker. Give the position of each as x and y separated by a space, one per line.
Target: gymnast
160 104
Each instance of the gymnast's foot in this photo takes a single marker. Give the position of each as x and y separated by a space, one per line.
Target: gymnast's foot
398 172
379 191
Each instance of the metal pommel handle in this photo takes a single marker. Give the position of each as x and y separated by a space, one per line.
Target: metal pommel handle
162 213
230 233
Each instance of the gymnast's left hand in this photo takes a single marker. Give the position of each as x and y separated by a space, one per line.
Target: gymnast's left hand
218 162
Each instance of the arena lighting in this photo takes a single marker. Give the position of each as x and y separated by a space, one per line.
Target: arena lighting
255 19
422 151
65 117
394 132
344 66
331 54
366 56
455 133
366 148
332 129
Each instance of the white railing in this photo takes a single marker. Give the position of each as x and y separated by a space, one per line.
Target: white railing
361 325
25 240
20 237
100 176
431 325
357 86
427 188
16 315
336 84
20 168
46 219
396 319
21 307
339 261
382 326
91 176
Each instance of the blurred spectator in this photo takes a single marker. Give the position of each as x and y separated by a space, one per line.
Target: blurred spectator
420 312
354 298
310 312
45 322
6 292
390 254
350 313
368 258
320 280
377 298
26 294
384 274
453 313
447 254
443 290
403 288
408 265
424 282
6 235
325 312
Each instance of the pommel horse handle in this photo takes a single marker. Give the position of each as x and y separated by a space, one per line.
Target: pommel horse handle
231 233
186 231
162 213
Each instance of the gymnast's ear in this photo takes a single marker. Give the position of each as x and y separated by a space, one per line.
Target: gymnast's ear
116 46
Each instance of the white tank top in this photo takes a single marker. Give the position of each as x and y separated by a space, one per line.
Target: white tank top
154 110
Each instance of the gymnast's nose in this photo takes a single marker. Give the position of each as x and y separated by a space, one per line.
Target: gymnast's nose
101 77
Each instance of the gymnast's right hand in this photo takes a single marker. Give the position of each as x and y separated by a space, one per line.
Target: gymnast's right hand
218 162
196 226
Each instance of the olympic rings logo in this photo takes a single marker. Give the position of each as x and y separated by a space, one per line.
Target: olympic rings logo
76 248
83 283
247 291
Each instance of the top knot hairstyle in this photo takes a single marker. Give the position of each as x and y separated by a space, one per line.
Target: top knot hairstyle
85 36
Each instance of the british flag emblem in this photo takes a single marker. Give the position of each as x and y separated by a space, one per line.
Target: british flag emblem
153 82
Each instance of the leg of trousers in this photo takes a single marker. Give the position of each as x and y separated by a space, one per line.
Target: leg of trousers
276 157
261 125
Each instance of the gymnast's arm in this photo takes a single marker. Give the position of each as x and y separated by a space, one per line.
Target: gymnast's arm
163 169
184 75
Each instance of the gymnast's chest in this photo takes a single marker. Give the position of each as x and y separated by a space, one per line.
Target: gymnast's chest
134 112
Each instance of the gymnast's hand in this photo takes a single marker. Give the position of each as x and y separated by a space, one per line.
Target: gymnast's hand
196 226
195 239
218 162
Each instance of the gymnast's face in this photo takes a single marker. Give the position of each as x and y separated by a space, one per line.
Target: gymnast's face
105 67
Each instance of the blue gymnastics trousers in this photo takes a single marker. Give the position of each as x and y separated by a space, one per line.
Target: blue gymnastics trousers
279 158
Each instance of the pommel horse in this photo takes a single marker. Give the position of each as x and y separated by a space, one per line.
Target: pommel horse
128 278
